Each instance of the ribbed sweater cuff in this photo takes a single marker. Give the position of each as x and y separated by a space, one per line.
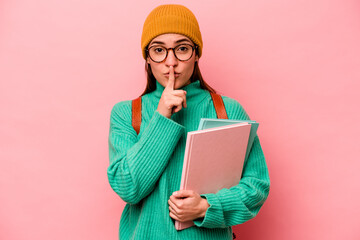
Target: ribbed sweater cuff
162 129
156 144
214 217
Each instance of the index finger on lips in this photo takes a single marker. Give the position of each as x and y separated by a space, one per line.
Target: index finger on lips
171 81
185 105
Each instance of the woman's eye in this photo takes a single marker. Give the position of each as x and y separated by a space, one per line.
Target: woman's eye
183 49
158 50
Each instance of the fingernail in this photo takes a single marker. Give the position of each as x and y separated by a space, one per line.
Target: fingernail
175 193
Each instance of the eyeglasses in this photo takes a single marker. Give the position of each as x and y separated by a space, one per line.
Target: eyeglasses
182 52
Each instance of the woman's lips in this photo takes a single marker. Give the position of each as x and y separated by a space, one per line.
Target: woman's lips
175 75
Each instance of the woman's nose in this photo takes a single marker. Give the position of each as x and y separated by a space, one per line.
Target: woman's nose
171 60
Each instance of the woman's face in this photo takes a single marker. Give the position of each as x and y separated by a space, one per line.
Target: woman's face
183 69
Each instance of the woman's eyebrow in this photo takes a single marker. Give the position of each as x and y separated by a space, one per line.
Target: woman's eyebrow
156 42
183 40
178 41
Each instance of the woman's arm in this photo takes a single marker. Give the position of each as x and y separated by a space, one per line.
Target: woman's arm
242 202
231 206
227 207
136 164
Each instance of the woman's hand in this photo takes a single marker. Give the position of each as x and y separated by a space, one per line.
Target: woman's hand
171 100
186 205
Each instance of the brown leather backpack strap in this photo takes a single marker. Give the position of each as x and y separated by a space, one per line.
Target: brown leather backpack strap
219 106
136 114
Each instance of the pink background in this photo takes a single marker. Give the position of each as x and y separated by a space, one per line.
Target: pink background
293 65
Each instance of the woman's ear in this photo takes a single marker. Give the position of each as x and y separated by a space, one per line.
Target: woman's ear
196 58
148 60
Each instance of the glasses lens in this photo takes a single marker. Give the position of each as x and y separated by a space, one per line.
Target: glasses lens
157 53
184 52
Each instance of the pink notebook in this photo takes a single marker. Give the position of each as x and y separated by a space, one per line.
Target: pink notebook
213 160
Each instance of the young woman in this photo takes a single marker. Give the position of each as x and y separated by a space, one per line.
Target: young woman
145 168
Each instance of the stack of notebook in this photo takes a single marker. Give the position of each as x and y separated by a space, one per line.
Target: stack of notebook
215 155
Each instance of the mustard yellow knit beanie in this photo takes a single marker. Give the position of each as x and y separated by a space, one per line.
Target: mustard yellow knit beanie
171 18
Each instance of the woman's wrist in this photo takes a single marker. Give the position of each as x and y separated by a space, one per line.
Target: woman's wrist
164 113
204 205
